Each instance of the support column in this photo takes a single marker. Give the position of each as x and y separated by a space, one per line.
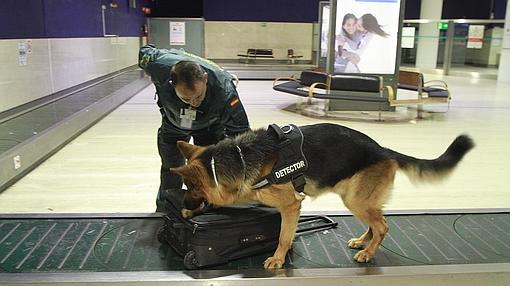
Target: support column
504 62
426 54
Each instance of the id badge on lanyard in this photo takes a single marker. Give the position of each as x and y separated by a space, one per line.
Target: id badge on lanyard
187 116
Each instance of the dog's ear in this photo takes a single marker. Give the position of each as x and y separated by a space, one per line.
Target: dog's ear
187 171
183 171
186 149
189 151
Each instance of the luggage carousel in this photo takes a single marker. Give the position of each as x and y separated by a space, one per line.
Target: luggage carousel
461 247
464 247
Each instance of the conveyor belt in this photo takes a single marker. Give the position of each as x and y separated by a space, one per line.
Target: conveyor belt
130 244
30 134
123 243
25 126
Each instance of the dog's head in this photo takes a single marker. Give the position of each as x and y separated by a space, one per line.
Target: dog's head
192 175
219 174
198 176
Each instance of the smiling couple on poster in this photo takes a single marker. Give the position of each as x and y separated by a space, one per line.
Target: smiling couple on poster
366 37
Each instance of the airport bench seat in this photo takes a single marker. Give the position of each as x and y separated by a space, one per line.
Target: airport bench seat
319 85
258 53
365 88
336 87
414 81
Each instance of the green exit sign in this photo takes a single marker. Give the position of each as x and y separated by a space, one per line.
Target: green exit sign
442 26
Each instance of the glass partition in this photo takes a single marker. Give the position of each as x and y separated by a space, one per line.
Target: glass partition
459 47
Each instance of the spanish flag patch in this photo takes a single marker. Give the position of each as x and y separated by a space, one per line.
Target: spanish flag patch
234 102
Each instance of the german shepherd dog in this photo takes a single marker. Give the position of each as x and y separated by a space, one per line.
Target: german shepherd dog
340 160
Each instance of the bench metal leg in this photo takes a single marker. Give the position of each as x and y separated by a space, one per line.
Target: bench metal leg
380 110
419 111
300 104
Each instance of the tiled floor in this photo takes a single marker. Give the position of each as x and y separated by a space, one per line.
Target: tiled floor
114 166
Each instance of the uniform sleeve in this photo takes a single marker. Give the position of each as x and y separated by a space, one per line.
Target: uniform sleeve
146 55
234 118
157 63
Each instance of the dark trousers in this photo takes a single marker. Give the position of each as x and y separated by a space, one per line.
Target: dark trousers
171 157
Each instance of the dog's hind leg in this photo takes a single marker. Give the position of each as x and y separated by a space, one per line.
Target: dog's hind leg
359 242
374 218
366 193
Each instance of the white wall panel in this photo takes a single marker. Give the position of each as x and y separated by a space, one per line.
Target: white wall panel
224 40
57 64
23 83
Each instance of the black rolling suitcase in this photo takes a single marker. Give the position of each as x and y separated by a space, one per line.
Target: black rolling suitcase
224 234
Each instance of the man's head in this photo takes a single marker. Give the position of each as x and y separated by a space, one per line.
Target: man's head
189 81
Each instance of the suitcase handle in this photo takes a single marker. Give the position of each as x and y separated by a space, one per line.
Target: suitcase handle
326 223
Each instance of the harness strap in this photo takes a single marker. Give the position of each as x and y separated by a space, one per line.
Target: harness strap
291 161
299 183
278 131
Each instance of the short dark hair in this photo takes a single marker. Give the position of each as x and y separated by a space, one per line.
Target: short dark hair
186 72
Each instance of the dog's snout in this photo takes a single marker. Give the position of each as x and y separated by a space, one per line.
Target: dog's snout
192 203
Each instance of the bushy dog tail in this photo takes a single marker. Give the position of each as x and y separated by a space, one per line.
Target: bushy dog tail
421 170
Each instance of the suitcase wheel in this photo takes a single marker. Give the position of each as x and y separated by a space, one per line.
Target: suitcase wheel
162 234
190 262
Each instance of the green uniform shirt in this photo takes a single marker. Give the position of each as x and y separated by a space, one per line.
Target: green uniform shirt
221 91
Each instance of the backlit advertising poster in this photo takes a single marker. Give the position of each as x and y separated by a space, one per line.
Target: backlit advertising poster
366 36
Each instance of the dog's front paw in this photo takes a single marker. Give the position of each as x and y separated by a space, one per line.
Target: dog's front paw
355 243
363 256
273 263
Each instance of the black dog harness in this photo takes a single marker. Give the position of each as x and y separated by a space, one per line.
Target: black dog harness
291 162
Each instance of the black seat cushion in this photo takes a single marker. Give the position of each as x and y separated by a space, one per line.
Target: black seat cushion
356 83
292 87
436 91
309 77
